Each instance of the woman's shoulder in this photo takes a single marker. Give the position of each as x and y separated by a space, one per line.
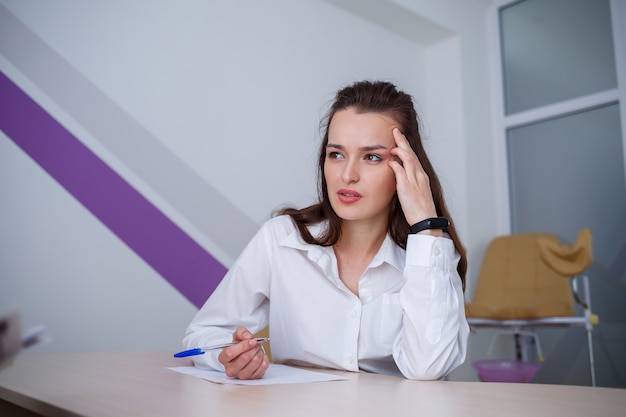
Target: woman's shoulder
279 226
280 221
282 228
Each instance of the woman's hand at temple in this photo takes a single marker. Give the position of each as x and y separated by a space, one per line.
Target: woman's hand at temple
413 184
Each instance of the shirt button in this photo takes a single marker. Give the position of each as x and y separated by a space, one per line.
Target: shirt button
437 251
353 313
351 361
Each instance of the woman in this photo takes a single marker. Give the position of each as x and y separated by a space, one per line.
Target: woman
369 278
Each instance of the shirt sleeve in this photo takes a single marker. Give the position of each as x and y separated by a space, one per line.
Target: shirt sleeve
241 299
434 336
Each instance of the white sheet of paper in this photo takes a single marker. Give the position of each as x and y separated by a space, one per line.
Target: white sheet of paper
275 374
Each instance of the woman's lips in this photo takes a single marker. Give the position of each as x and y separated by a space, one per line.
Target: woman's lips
348 196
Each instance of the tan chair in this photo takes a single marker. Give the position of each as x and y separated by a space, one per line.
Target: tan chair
531 280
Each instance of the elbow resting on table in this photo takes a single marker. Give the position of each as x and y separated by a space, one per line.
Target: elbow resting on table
439 362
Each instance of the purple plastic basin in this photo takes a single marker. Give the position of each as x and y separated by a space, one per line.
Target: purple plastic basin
499 370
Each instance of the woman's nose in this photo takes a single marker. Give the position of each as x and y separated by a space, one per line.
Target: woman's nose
350 172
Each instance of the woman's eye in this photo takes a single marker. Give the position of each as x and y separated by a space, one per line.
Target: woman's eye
372 157
334 155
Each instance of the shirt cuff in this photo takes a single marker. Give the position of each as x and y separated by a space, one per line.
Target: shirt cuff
429 251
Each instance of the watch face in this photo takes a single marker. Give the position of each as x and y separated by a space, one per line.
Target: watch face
439 223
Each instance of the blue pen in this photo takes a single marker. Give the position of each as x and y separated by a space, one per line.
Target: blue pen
200 351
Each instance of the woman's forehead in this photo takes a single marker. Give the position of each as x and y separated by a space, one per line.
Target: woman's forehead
365 127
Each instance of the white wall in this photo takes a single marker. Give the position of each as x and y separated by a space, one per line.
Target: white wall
235 90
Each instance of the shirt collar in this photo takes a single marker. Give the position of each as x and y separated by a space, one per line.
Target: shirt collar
389 252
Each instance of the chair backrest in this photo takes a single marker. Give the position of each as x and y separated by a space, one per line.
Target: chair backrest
515 282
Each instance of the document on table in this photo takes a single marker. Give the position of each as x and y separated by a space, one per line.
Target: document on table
275 374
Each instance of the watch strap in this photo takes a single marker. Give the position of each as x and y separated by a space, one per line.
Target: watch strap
432 223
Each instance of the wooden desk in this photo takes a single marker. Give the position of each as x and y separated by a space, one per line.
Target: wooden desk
138 384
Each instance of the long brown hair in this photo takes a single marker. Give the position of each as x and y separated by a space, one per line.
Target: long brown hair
373 97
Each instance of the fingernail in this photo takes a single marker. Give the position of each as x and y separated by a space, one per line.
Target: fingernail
247 335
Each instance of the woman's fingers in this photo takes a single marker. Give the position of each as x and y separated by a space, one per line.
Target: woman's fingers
404 152
250 365
256 367
244 360
412 182
241 334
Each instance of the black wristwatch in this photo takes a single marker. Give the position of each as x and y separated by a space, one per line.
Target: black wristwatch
432 223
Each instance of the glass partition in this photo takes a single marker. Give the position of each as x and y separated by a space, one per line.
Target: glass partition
566 174
554 50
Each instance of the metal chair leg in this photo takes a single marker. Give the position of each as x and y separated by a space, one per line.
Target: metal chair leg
592 368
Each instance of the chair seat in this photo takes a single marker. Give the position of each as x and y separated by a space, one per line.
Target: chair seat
527 310
546 321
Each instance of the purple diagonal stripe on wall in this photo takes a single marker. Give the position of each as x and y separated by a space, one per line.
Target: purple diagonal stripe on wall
138 223
201 204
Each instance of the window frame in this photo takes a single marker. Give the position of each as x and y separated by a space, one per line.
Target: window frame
503 122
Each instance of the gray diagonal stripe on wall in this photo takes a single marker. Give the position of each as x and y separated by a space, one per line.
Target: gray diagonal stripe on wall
200 203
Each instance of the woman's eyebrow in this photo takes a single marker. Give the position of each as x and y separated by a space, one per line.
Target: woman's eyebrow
362 148
373 148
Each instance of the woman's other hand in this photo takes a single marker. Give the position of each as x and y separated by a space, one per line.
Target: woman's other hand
246 359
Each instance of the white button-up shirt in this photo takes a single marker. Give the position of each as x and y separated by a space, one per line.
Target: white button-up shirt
408 318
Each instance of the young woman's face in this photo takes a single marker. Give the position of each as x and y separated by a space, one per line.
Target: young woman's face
360 182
